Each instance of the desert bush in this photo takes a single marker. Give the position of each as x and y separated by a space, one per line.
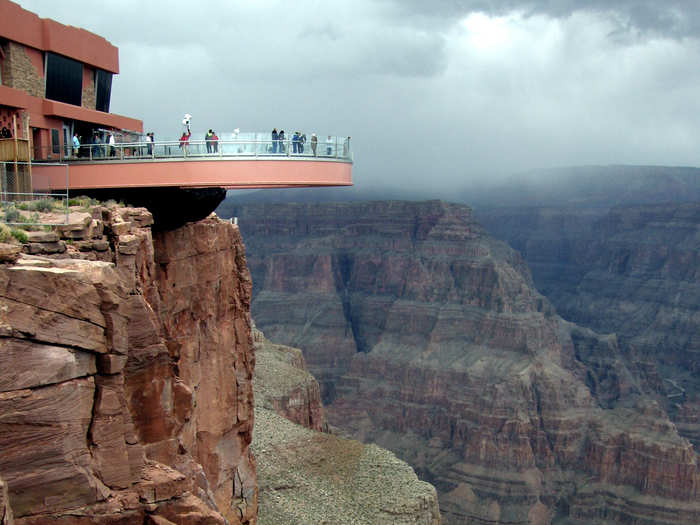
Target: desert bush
43 205
5 233
12 214
20 235
83 201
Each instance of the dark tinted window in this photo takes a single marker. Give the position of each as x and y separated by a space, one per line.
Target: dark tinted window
55 141
104 90
64 79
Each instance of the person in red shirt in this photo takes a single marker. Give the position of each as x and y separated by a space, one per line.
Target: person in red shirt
185 140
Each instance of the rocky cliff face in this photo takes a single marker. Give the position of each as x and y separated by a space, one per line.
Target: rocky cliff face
431 340
307 476
126 394
634 273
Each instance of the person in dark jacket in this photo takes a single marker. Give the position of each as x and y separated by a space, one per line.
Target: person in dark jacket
274 140
281 141
295 142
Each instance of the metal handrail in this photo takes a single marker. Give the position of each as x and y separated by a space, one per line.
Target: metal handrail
336 149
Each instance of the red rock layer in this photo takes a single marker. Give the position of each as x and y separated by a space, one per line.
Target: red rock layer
126 394
432 342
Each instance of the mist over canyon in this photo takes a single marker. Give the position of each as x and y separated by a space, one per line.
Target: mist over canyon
565 395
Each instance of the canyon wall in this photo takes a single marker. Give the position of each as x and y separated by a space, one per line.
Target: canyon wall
126 394
430 339
307 476
634 271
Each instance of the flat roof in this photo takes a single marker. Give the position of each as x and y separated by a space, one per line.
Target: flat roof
19 25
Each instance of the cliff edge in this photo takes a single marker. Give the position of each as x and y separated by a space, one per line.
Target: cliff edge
126 394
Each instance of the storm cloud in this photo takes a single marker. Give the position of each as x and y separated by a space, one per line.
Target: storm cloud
433 93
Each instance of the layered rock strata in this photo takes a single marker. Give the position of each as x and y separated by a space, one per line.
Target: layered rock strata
431 340
126 394
633 272
307 476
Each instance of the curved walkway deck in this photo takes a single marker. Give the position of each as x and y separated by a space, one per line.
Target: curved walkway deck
234 165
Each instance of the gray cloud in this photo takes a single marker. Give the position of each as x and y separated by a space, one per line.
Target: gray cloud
671 18
432 93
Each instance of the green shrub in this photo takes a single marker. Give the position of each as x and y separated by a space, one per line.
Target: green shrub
20 235
43 205
12 214
5 233
83 201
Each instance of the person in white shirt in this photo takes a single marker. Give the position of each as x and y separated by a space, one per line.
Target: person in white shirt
112 148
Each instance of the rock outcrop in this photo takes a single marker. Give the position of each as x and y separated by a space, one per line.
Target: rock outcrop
126 394
307 476
632 271
430 339
283 384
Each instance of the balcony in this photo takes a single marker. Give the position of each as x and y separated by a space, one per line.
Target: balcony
231 164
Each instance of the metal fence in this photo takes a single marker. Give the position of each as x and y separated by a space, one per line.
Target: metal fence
21 206
337 148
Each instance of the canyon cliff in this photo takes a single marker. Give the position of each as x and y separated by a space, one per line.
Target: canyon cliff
429 338
126 394
307 476
631 271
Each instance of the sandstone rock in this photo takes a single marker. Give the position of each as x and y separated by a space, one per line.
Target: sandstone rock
54 473
34 248
128 244
80 225
429 339
117 374
111 363
42 236
9 252
26 364
120 228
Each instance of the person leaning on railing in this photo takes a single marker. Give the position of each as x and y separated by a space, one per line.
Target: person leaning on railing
76 144
185 140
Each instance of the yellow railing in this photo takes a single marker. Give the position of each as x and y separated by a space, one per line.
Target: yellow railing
14 150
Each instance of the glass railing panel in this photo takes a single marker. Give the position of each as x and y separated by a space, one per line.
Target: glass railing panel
248 144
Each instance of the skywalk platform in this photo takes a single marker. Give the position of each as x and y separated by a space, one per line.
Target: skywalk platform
234 165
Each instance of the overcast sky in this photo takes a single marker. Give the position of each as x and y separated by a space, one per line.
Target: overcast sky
432 92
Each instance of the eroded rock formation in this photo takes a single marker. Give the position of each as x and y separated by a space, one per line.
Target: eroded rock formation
126 394
632 271
430 339
311 477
